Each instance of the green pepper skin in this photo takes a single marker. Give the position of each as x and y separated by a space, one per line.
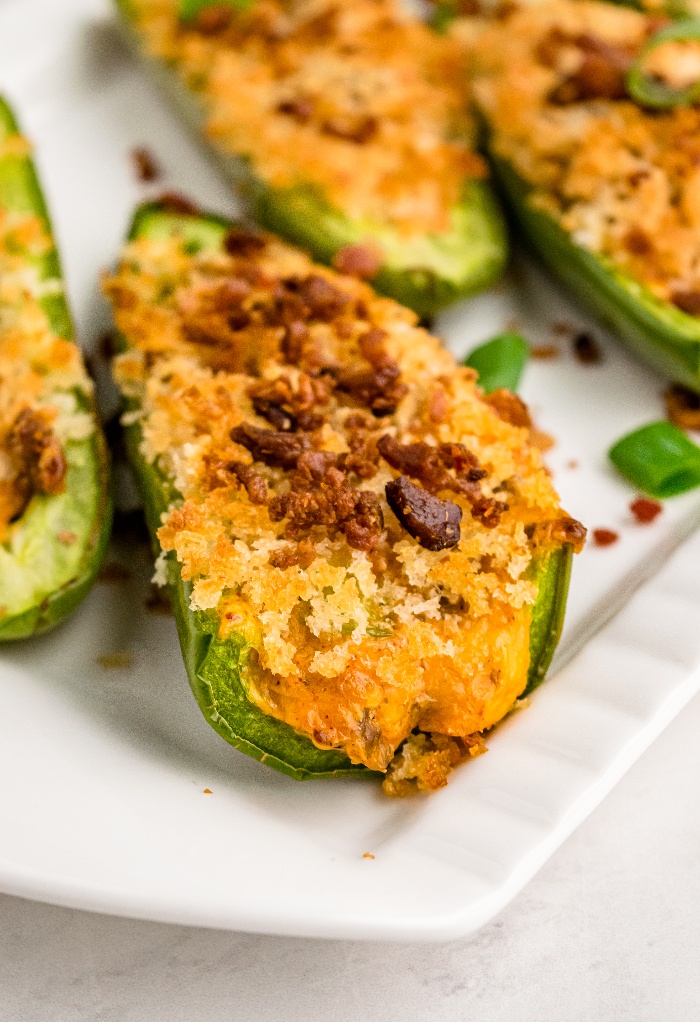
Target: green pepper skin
660 334
216 668
425 273
41 581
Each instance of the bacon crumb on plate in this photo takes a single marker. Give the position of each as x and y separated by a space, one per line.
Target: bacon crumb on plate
115 661
645 510
586 349
114 573
145 165
604 537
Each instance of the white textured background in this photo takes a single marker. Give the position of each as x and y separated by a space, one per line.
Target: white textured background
608 931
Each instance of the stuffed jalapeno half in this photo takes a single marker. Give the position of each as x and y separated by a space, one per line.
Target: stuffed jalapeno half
605 186
368 561
54 505
346 127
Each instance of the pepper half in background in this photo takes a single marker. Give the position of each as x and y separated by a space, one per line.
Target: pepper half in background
55 510
423 269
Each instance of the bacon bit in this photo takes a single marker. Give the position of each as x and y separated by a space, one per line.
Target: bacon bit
433 522
636 177
221 472
645 510
573 463
302 554
288 407
252 482
362 260
560 329
558 530
604 537
682 407
601 74
175 202
351 128
429 465
145 164
279 450
36 455
275 415
367 855
115 661
363 458
239 242
114 573
213 19
301 108
509 407
321 495
437 405
324 301
544 352
687 301
158 601
637 241
587 349
67 538
296 333
207 791
378 388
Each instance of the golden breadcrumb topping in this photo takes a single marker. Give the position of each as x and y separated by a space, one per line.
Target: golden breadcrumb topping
622 179
358 99
38 369
347 498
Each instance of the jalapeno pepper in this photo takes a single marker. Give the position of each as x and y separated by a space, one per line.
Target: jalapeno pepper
423 271
55 511
219 666
659 333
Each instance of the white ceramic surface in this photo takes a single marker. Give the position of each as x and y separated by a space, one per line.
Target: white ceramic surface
102 772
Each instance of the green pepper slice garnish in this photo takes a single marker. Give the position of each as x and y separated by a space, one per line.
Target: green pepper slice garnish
658 459
500 362
652 92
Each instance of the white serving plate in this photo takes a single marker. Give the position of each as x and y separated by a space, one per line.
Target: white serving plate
102 773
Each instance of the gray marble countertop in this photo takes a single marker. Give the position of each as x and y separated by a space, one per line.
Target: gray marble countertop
609 930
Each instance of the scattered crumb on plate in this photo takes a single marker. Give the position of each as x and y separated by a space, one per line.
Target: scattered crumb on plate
645 510
544 351
113 572
605 537
115 661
